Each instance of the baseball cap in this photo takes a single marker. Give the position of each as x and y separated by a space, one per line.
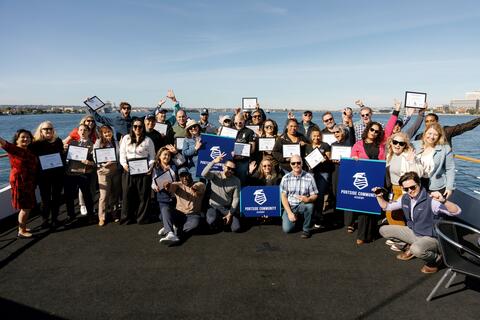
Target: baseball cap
160 110
204 111
150 116
182 171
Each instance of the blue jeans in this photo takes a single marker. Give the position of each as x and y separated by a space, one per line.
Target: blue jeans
305 209
214 217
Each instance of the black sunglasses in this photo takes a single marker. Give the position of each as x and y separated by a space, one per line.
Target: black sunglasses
400 143
295 163
373 130
328 120
137 126
230 168
411 188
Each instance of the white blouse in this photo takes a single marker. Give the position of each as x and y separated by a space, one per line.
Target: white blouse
145 149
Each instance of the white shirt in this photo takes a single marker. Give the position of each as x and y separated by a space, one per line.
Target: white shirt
128 150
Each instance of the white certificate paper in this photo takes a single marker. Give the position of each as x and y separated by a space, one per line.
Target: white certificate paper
228 132
164 177
137 166
254 128
161 128
314 158
94 103
249 103
77 153
415 99
339 152
329 138
179 143
103 155
50 161
179 159
266 144
242 149
290 149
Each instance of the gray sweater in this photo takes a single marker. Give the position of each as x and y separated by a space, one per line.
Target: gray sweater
225 191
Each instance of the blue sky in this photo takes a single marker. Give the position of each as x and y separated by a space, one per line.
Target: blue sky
315 54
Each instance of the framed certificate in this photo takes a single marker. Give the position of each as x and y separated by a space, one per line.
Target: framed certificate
242 149
103 155
266 144
415 99
179 143
50 161
164 177
228 132
329 138
161 128
77 153
290 149
94 103
249 103
339 152
137 166
254 128
314 158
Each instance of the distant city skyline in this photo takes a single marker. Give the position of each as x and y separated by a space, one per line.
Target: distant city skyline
309 54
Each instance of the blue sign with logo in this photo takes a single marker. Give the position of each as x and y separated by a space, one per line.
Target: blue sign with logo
212 147
260 201
355 182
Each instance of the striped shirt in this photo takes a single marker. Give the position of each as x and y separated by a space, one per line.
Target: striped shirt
302 185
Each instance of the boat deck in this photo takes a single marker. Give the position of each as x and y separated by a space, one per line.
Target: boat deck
122 272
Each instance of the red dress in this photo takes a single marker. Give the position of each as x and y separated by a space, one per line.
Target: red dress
22 176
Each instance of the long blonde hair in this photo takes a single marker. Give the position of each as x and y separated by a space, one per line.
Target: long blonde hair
404 137
38 136
441 133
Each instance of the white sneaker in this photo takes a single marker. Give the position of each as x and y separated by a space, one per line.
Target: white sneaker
169 239
395 247
390 242
83 210
162 232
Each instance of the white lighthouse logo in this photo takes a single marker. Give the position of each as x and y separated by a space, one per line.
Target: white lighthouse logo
215 152
260 197
360 181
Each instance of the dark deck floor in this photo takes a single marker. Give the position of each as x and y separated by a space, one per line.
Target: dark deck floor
122 272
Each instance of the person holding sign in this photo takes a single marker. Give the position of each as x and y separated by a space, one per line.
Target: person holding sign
421 211
164 171
164 126
108 173
244 135
191 145
136 187
298 193
266 142
79 173
290 137
187 213
47 144
121 123
74 135
22 177
321 171
225 197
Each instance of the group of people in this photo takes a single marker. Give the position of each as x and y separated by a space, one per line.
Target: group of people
419 171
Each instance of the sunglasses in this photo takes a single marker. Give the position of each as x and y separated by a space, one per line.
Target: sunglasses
328 120
137 126
365 115
230 168
411 188
47 129
295 163
373 130
308 114
256 116
88 121
400 143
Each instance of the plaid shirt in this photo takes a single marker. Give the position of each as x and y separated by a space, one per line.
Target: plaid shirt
302 185
359 127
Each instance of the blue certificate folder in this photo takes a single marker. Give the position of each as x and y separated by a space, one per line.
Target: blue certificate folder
212 147
260 201
355 182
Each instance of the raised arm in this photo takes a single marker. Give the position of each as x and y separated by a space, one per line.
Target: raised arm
410 132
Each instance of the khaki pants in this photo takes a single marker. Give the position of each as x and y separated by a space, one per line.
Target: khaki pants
106 186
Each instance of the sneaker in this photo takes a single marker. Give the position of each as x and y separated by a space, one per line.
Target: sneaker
395 247
390 242
162 232
169 239
317 226
306 235
83 210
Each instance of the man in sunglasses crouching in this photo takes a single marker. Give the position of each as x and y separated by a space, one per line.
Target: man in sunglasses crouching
225 197
298 193
421 211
